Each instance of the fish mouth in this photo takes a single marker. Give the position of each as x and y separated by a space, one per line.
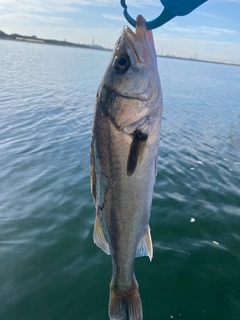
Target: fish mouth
140 42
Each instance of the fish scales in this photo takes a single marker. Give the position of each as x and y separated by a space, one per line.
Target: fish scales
124 152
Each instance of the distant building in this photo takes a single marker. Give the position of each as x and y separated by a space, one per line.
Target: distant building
29 40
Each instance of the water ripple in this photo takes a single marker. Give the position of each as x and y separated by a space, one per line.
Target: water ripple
47 97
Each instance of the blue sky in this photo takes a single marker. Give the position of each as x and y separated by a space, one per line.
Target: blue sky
210 32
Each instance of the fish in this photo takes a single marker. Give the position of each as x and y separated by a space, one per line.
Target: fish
123 162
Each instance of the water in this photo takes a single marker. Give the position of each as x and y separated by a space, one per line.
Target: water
49 267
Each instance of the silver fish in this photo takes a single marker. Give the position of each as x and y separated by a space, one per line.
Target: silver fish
123 160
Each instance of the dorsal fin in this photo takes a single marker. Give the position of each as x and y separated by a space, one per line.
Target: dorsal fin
145 247
99 237
136 150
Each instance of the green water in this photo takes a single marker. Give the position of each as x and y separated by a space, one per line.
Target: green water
49 266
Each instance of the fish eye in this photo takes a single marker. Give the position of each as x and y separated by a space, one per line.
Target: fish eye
121 63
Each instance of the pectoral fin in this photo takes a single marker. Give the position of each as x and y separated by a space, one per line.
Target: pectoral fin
145 247
99 237
136 150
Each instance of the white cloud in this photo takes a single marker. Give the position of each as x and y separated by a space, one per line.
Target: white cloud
67 5
52 5
206 14
180 29
113 17
236 1
142 4
202 30
23 17
217 31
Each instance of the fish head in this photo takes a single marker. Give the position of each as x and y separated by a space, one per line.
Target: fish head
131 85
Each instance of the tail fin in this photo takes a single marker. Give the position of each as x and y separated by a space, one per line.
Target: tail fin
126 306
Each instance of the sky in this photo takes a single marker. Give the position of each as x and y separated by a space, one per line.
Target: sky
210 32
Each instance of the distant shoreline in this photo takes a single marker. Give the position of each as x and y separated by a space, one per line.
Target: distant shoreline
200 60
34 39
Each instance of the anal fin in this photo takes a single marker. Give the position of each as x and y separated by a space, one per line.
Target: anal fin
99 237
145 246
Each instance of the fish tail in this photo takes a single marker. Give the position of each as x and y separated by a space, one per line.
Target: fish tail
125 305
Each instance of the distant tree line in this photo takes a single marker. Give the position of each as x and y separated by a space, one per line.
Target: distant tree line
15 36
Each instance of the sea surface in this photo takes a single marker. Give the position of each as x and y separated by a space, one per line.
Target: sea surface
49 266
